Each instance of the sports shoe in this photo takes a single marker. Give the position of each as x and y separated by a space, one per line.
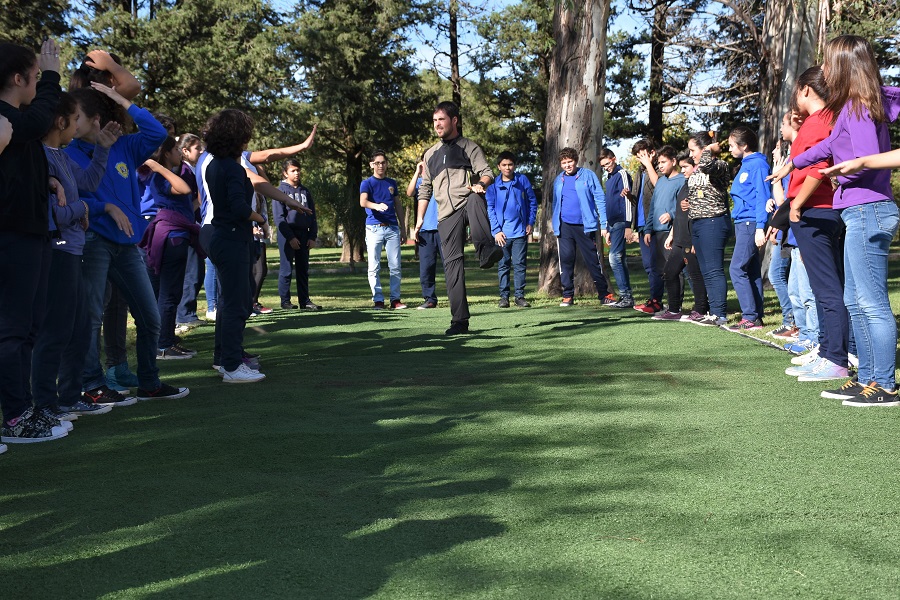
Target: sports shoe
172 353
124 376
210 315
807 367
666 316
493 259
29 428
624 302
262 309
104 395
785 332
522 303
609 300
113 383
853 360
744 325
61 414
178 346
163 392
254 312
457 329
826 371
310 305
397 304
378 305
848 390
288 305
3 448
567 302
83 407
243 374
800 347
691 317
649 307
871 395
426 305
806 358
709 321
52 420
504 303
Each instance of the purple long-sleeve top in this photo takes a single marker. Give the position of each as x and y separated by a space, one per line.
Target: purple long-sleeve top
854 136
74 180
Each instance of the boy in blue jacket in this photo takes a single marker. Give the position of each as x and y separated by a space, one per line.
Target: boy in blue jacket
579 209
750 193
297 234
619 214
512 208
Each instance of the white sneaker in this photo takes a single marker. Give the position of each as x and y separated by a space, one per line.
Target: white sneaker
243 374
805 358
853 360
210 315
3 448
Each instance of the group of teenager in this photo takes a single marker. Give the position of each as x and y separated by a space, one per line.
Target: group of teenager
105 212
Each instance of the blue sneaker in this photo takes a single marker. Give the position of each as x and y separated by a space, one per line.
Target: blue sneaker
123 376
113 383
800 347
825 371
809 367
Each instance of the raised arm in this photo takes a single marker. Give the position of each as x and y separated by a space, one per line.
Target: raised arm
273 154
270 191
122 79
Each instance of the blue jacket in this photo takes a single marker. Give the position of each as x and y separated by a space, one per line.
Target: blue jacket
120 184
665 200
750 191
618 207
507 198
590 196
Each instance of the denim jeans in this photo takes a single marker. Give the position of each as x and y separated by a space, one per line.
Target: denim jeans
429 250
778 277
746 271
803 301
648 259
870 229
617 257
194 273
291 260
123 265
515 255
709 236
378 236
171 287
211 285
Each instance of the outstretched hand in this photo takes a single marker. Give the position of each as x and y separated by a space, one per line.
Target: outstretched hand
107 136
49 58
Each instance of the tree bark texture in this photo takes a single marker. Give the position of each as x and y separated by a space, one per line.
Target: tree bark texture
574 116
353 219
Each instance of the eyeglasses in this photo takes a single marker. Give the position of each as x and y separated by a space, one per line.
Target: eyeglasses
379 163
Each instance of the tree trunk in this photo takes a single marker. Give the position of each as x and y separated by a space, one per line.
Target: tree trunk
353 219
574 116
658 40
454 55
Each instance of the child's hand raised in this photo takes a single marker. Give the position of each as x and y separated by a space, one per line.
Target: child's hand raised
107 136
112 93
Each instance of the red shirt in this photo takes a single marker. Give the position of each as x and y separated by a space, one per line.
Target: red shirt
815 128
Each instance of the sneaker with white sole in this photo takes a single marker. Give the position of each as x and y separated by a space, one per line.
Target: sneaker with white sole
853 360
847 391
813 354
163 392
3 448
873 395
52 420
809 367
83 407
29 428
825 371
243 374
104 395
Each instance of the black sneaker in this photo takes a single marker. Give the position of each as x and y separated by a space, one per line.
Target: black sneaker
104 395
310 305
163 392
851 388
522 303
494 258
181 348
624 302
458 329
47 415
504 303
288 305
871 395
426 305
172 353
29 428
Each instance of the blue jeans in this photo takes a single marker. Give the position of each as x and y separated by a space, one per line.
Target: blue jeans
648 259
378 236
870 229
617 257
515 254
709 237
778 276
803 301
123 265
429 250
746 271
211 285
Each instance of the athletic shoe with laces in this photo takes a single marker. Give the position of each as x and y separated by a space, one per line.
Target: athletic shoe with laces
104 395
52 420
800 347
123 376
3 448
826 371
710 321
398 304
493 259
243 374
567 302
29 428
163 392
210 315
61 414
83 407
848 390
691 317
745 325
522 303
650 307
504 303
806 358
667 316
871 395
262 309
853 360
310 305
624 302
378 305
288 305
181 348
173 353
609 300
426 305
785 332
808 367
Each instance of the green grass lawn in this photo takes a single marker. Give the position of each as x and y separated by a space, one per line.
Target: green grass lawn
555 453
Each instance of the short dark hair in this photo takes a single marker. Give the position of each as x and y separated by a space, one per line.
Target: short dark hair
568 153
15 60
506 155
644 144
291 162
96 104
226 133
67 107
448 108
85 74
744 136
167 122
166 147
607 153
667 151
376 153
685 156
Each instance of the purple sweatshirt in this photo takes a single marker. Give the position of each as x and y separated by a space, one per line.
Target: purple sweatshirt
853 137
73 178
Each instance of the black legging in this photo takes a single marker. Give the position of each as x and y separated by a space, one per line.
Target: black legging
259 271
679 258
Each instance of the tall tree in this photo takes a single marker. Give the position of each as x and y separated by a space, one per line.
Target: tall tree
28 21
574 112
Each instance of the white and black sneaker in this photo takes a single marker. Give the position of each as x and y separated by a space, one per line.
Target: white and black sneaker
51 419
29 428
173 353
163 392
105 395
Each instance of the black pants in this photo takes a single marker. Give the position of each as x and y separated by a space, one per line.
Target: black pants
171 287
259 271
115 326
572 237
233 260
453 238
679 258
193 280
294 261
429 250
